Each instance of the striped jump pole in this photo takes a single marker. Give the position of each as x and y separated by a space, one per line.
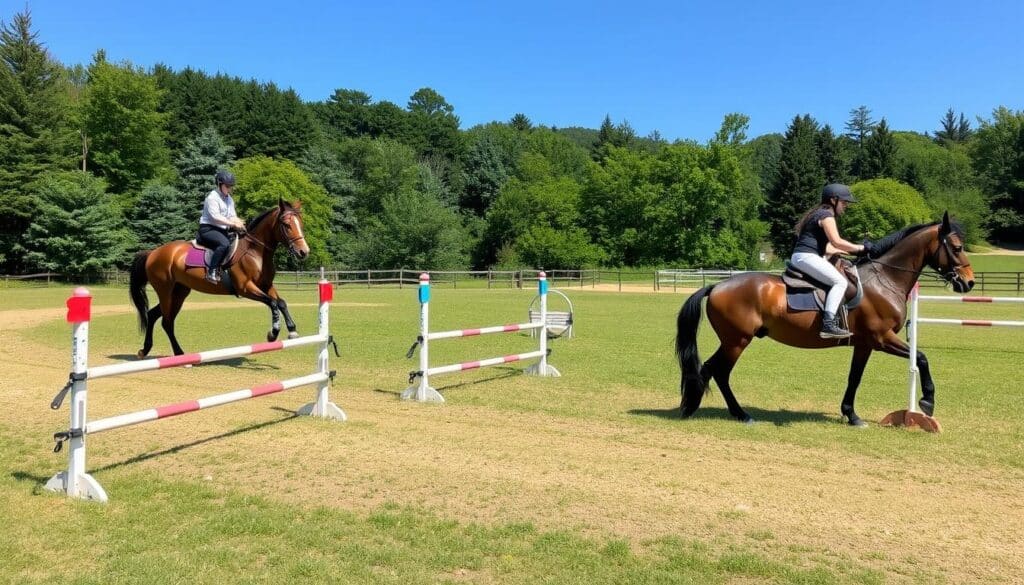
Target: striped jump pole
422 391
75 482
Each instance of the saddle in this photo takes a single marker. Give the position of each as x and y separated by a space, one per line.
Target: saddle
805 293
198 256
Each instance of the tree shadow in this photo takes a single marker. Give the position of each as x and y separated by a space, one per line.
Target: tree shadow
505 373
237 363
779 418
25 476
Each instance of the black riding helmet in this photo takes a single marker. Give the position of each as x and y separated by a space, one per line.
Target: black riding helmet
224 178
837 190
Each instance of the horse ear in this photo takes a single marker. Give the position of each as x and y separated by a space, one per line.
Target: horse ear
297 206
281 204
946 228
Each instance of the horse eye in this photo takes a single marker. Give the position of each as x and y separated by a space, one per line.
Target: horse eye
958 249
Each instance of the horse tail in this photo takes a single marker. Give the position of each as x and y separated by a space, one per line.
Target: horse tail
137 280
692 386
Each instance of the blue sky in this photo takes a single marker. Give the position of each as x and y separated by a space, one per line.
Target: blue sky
677 67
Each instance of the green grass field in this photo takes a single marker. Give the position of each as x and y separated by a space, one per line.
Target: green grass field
587 478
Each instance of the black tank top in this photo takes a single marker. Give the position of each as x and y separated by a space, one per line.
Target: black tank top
812 236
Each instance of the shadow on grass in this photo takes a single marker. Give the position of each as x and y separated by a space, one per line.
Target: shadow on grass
238 362
779 418
25 476
505 373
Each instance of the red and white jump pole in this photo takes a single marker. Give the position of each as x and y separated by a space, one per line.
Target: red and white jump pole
911 416
75 482
423 392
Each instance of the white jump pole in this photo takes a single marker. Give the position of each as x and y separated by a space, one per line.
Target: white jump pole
75 482
423 392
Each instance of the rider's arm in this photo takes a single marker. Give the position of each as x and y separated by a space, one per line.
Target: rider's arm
829 225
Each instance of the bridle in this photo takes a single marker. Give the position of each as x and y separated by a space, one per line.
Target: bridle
281 224
949 275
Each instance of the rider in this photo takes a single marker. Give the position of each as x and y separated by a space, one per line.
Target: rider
218 216
815 230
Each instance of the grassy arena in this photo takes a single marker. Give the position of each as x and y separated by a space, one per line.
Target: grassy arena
588 478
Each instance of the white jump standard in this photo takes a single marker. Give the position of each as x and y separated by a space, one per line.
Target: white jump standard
423 392
75 482
911 416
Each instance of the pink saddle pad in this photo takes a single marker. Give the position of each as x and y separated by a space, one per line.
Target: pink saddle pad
195 257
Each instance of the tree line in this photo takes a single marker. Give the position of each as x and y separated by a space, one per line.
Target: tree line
101 160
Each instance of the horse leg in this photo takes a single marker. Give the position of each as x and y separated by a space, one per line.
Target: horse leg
861 353
720 366
147 344
170 309
283 307
893 345
253 293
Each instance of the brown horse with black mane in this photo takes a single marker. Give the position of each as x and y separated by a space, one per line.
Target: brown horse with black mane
754 305
251 273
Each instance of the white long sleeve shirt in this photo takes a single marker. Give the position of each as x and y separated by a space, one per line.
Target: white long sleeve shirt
218 210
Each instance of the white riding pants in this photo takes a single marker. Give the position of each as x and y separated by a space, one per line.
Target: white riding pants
819 268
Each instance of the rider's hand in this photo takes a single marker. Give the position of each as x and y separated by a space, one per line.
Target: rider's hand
868 249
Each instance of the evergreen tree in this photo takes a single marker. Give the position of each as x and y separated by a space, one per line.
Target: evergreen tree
276 123
858 128
160 216
798 185
325 169
879 153
610 135
521 123
953 130
77 230
199 160
34 134
831 156
346 114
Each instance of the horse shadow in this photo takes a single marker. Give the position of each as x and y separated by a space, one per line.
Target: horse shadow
242 363
779 418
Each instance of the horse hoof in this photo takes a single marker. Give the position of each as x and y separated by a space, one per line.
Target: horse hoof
292 334
140 354
927 406
857 423
272 336
748 420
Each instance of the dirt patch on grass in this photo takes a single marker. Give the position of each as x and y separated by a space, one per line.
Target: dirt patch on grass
626 477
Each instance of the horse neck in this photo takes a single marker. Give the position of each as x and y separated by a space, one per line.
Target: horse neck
905 261
264 232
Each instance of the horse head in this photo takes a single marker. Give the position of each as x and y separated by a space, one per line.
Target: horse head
288 229
947 257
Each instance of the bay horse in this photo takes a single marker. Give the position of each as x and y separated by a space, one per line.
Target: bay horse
251 273
752 305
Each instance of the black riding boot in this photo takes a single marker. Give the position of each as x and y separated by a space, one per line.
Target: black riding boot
213 275
829 329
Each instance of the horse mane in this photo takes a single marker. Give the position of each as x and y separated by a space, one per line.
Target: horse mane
259 218
889 242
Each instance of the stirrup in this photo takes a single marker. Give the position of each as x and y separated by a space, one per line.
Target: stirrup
213 276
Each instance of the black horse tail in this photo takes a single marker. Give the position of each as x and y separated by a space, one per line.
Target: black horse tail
691 386
137 281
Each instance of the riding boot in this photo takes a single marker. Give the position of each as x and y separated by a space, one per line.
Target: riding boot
213 275
829 328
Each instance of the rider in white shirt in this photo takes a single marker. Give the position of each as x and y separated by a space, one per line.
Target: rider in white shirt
218 216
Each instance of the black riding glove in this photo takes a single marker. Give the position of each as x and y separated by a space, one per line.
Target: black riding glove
869 249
